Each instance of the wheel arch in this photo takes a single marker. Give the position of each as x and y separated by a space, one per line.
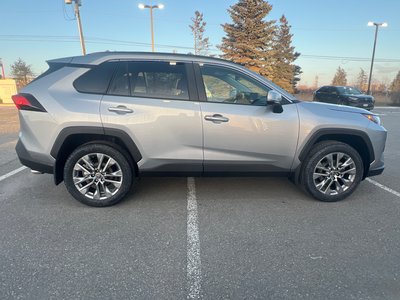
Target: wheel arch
357 139
72 137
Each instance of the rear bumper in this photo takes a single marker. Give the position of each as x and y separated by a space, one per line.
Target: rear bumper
27 160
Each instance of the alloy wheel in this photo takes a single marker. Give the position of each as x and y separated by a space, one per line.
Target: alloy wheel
97 176
334 173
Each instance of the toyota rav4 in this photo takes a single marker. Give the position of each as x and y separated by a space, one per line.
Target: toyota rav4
98 121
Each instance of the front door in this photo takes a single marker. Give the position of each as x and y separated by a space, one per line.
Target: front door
241 133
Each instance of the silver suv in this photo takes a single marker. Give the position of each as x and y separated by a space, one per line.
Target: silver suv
100 120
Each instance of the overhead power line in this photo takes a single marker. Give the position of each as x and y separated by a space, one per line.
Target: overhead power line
105 41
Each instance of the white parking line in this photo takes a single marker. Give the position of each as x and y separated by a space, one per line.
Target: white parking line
193 243
383 187
9 174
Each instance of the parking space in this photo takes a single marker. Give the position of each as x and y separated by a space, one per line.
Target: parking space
258 238
55 247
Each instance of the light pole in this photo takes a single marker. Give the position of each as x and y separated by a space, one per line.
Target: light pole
384 24
78 18
151 7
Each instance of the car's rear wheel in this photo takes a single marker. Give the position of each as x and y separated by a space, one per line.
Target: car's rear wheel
332 171
98 175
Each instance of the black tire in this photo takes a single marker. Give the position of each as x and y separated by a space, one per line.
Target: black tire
320 151
122 163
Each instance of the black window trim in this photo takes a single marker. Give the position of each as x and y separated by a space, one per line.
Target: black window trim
192 89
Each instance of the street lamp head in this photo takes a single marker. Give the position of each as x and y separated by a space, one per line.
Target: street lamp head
141 6
383 24
160 6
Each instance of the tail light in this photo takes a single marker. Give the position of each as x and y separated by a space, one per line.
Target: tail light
27 102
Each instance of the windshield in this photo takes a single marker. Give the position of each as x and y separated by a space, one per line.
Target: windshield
348 90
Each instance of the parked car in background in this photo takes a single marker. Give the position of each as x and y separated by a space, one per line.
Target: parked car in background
344 95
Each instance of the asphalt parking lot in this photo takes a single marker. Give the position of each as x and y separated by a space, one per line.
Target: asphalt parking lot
211 238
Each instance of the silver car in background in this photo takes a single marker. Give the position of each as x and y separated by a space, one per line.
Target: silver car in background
98 121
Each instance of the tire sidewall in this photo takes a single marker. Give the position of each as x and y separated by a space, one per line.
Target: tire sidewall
104 149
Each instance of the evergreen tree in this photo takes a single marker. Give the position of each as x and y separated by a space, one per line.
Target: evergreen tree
285 72
295 79
395 89
249 39
362 79
340 77
201 43
22 72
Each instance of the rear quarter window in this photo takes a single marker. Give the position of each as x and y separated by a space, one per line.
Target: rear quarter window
96 80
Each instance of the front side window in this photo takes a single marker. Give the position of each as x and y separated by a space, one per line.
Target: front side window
348 90
162 80
225 85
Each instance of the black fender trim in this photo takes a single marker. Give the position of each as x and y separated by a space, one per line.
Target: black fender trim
126 139
97 133
337 131
112 132
68 131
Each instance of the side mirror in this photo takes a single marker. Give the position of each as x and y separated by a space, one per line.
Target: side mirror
275 99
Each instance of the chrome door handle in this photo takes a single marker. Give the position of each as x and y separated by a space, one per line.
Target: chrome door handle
216 118
120 109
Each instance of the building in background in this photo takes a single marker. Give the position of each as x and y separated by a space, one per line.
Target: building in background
8 87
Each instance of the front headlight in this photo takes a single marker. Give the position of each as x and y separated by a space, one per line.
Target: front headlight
373 118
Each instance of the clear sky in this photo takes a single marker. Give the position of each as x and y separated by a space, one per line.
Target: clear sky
40 30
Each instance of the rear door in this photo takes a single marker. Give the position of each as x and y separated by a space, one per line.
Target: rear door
241 133
321 94
332 95
155 103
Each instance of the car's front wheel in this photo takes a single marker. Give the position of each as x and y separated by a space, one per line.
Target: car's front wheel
98 174
332 171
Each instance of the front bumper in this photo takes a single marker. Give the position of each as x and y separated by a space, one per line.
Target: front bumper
375 172
368 106
27 160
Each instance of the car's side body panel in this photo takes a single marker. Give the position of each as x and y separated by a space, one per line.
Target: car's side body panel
253 140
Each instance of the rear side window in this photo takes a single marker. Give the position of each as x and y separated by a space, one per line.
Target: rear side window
162 80
324 89
331 90
96 80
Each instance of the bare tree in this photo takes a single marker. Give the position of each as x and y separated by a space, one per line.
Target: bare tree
201 43
340 77
362 80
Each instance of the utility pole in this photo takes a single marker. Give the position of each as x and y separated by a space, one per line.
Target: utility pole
373 51
78 3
